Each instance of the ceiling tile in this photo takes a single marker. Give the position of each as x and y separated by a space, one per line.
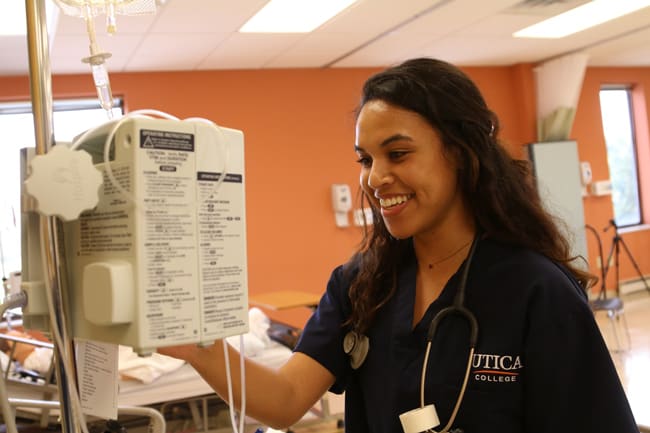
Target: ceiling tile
202 34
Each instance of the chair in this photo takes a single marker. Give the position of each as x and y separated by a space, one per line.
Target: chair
613 306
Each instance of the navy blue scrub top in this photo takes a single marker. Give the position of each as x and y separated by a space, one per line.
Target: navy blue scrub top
540 363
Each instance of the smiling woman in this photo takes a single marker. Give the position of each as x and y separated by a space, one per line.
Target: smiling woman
495 336
71 117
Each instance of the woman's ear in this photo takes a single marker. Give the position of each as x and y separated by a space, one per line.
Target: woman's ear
454 156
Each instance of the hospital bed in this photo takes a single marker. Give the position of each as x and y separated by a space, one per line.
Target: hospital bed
182 398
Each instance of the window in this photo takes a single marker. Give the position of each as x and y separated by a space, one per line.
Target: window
616 110
70 117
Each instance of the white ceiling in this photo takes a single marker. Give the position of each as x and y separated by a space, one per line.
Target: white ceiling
202 34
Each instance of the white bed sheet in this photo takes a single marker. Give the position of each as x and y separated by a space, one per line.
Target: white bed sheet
185 382
182 383
166 382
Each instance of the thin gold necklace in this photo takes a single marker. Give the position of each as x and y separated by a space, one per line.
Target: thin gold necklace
434 264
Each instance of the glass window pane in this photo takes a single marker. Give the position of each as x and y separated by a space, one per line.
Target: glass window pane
70 118
621 155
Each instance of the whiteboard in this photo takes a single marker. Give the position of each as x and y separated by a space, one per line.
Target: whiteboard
557 174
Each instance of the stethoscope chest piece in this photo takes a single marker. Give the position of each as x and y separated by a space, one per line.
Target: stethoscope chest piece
356 346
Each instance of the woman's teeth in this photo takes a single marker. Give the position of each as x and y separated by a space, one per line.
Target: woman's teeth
390 202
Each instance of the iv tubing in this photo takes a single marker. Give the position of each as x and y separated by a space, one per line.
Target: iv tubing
97 64
242 375
145 112
224 150
65 360
107 145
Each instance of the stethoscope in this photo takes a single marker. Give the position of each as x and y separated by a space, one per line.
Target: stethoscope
458 308
356 345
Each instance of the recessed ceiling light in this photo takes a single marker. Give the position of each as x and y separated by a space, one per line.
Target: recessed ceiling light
293 16
583 17
13 19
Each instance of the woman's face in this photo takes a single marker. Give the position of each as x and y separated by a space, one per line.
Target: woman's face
405 172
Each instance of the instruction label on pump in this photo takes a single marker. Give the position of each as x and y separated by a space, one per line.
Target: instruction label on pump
108 229
166 140
168 168
221 223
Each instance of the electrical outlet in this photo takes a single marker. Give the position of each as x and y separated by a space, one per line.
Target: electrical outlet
362 214
358 217
367 213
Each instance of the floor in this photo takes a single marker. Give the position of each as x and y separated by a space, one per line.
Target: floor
632 358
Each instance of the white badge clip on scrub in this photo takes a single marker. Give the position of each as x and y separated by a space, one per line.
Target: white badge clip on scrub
356 346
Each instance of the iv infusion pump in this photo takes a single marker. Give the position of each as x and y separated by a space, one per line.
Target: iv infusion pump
161 259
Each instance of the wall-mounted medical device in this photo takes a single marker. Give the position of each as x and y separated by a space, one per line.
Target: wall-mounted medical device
363 216
601 187
586 175
341 203
161 260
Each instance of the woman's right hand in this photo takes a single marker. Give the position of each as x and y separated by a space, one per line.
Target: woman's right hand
189 352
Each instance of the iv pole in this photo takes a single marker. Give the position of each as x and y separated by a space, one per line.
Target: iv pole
41 95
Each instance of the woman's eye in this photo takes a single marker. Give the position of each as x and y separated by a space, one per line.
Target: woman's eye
396 154
364 161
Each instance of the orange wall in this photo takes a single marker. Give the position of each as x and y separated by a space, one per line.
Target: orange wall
299 133
588 132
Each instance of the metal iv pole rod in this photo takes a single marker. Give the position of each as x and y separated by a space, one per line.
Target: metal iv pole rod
41 95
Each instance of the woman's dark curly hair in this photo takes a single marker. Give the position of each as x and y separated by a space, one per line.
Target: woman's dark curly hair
498 189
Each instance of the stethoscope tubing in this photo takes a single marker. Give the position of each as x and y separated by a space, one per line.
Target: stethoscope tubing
458 308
